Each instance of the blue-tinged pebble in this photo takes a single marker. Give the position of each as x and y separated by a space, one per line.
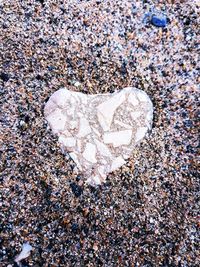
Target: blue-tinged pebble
4 76
76 189
74 227
159 20
50 68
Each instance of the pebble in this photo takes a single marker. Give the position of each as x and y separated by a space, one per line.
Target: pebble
26 249
76 189
74 227
159 20
77 84
50 68
4 76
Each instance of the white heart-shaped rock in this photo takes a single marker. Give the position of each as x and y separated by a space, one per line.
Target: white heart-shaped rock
99 131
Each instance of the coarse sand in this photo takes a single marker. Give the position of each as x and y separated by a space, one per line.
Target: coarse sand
146 214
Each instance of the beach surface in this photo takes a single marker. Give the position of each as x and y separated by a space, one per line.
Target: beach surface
146 214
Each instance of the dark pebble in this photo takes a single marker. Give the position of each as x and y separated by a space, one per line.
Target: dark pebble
159 20
123 69
187 21
74 227
39 77
4 76
85 229
26 119
2 91
42 2
78 178
188 123
76 189
189 149
50 68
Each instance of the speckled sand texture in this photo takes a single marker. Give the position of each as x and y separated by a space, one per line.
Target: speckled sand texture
146 214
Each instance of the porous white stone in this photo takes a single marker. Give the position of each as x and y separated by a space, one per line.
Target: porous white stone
99 131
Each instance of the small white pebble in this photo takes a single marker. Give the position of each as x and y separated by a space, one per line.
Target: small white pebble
26 249
77 84
151 220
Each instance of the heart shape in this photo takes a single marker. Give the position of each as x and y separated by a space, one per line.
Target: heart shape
99 131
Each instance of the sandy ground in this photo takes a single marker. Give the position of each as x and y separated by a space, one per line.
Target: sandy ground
147 212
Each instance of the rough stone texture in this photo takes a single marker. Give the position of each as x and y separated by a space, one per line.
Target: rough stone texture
99 131
147 213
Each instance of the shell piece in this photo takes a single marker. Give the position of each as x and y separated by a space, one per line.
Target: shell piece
90 152
103 149
140 133
67 141
117 163
57 120
84 128
105 110
26 250
118 138
100 131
